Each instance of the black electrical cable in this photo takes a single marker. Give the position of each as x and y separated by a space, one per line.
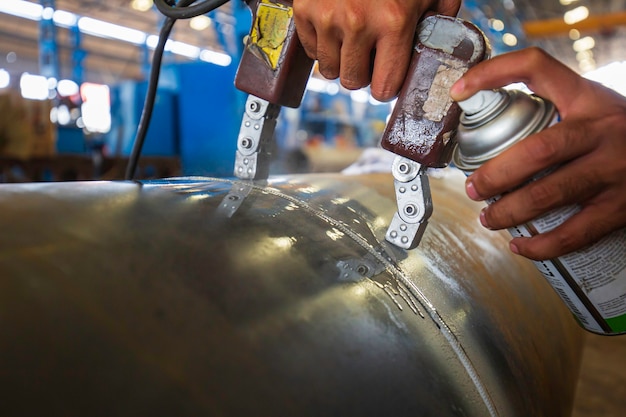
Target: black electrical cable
155 71
185 11
148 106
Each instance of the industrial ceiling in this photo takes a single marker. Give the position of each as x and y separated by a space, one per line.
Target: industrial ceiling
534 22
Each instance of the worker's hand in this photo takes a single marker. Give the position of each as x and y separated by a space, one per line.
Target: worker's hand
363 41
589 144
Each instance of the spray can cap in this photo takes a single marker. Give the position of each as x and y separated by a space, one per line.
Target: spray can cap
482 101
493 120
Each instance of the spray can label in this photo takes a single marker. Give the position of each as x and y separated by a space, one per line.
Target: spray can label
590 281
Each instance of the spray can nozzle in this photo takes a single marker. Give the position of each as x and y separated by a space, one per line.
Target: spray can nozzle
483 103
493 120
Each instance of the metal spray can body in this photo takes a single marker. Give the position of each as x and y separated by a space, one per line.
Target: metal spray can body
590 281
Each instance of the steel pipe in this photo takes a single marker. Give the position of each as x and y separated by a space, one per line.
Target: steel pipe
199 296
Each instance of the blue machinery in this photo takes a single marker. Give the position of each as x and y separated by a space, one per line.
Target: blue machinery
198 116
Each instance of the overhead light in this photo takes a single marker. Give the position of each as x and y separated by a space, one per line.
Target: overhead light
217 58
47 13
584 55
64 19
587 65
52 83
496 24
96 107
568 2
63 116
34 87
375 102
508 4
67 88
200 23
5 78
102 29
190 51
332 88
360 96
108 30
152 41
574 34
584 44
141 5
509 39
24 9
320 85
576 15
183 49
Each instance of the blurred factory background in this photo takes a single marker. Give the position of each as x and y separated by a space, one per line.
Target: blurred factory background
73 80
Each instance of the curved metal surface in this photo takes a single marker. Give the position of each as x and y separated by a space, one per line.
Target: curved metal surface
208 297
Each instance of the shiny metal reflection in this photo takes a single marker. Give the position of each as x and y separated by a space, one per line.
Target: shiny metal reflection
123 296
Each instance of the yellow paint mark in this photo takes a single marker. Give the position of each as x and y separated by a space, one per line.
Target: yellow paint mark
270 31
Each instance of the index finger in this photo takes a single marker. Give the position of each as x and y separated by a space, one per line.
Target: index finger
543 74
553 146
395 43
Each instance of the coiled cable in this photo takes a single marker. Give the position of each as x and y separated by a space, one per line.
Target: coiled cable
184 9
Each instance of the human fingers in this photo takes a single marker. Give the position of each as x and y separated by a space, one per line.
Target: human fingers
328 53
394 38
304 12
588 146
392 58
576 181
597 219
595 117
446 7
345 37
305 29
336 34
594 180
376 43
357 46
601 175
543 74
319 33
556 145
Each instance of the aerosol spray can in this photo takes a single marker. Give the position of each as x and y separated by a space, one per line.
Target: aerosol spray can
591 281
